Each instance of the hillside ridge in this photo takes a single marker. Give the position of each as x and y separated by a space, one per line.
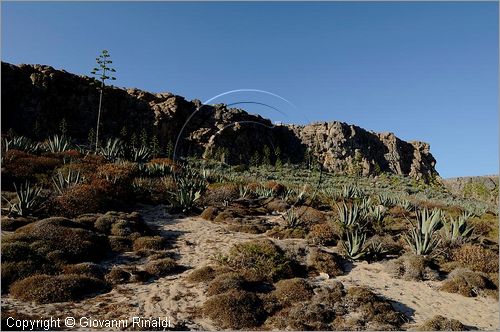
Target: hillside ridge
36 98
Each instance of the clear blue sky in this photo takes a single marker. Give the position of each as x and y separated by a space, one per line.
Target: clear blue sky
425 71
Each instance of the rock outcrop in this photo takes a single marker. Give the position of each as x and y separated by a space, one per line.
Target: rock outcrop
37 98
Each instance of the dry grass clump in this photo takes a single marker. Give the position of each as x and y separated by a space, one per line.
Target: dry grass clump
440 323
226 282
468 283
150 243
162 267
324 234
287 233
412 267
87 269
329 263
289 291
61 288
260 260
210 213
476 258
235 309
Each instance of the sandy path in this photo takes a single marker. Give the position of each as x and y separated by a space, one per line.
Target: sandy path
423 300
197 242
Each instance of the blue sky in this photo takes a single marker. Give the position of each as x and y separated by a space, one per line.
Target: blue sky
425 71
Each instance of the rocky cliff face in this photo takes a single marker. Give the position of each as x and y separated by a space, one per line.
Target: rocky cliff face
36 98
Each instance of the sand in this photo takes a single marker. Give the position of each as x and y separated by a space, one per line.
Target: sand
198 242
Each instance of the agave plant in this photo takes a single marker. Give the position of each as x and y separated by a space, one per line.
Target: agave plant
354 244
264 192
376 215
349 216
190 186
292 219
244 191
457 229
113 150
21 143
351 191
155 169
386 200
407 205
62 182
57 144
141 154
28 199
332 193
366 204
421 237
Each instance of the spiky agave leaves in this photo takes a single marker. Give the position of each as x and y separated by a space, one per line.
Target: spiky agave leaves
354 243
113 150
189 187
57 144
457 229
61 181
292 219
141 154
349 215
421 237
21 143
28 199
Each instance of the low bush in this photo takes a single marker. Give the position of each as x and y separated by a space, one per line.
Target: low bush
13 271
120 243
63 241
226 282
260 260
476 258
117 276
219 193
468 283
440 323
150 242
210 213
322 262
412 267
235 309
162 267
79 199
87 269
11 224
324 234
203 274
60 288
290 291
19 167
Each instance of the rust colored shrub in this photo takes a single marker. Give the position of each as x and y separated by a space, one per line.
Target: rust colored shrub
276 187
324 234
219 193
19 167
80 199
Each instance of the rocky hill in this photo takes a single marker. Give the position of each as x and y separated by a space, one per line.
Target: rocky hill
36 99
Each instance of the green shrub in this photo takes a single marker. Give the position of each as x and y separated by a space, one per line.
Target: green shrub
61 288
